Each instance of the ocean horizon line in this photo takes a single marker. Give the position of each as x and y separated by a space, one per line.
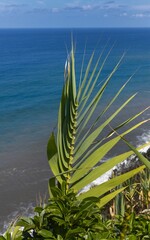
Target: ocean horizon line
88 28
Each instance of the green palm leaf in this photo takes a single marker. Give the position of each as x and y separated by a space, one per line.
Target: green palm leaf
74 155
103 188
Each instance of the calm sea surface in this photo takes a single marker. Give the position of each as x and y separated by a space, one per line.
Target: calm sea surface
31 79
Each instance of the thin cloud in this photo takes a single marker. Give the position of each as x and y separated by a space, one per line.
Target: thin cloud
112 5
125 14
44 10
109 5
55 10
69 7
106 15
41 2
141 15
104 8
141 7
138 15
87 7
77 7
4 8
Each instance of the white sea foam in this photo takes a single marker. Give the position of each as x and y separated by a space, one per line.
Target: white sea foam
144 138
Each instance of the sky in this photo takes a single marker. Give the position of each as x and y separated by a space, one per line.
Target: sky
74 13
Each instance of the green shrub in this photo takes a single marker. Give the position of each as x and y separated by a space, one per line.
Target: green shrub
65 218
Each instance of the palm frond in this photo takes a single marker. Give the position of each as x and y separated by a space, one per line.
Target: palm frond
74 155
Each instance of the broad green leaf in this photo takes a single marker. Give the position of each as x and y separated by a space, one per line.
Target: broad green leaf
62 159
73 78
59 237
109 185
103 168
103 201
17 233
98 154
24 222
51 184
73 232
46 234
7 234
53 162
81 71
89 140
51 147
52 155
56 191
98 142
100 170
85 77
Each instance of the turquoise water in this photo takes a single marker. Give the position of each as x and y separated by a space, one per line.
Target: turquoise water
31 78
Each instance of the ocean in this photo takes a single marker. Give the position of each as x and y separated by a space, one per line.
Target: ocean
31 78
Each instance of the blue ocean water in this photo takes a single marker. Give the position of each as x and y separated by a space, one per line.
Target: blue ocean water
31 79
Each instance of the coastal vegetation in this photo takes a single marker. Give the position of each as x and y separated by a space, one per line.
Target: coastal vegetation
114 209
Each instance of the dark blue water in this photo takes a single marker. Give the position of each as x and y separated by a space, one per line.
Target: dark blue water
31 78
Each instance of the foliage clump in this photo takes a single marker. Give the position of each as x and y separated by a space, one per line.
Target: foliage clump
65 217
